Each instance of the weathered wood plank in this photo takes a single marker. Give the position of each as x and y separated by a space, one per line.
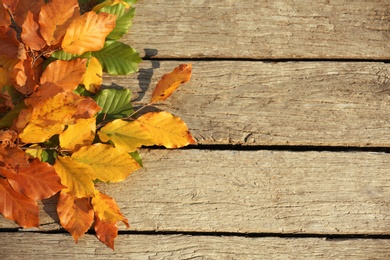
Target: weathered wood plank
59 246
262 29
287 103
254 191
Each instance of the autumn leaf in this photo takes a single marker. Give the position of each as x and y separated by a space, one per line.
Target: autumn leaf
55 17
18 207
88 32
105 162
5 19
106 209
106 231
12 158
171 81
30 33
75 214
155 128
37 181
10 46
26 74
80 134
93 77
8 137
33 133
8 63
25 6
65 74
75 176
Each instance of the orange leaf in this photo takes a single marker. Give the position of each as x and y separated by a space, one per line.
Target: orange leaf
30 34
26 74
106 209
10 46
76 215
38 181
88 32
8 137
106 231
5 19
18 207
12 158
171 81
55 17
25 6
65 74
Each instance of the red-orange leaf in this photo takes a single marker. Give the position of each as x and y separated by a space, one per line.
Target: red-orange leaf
76 215
26 74
106 231
12 158
38 181
5 19
30 33
55 17
65 74
10 46
18 207
25 6
88 32
171 81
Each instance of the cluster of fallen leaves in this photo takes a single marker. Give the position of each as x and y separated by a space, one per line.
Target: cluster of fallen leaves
59 132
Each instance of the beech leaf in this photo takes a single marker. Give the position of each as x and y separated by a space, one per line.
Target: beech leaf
66 74
10 46
106 209
55 17
118 58
18 207
114 103
93 77
33 133
106 162
123 21
75 176
106 231
30 33
154 128
75 214
80 134
171 81
37 181
88 32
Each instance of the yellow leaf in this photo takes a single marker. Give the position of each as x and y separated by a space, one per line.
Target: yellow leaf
4 77
155 128
106 162
80 134
35 151
127 136
110 3
75 176
33 133
88 32
106 209
93 77
171 81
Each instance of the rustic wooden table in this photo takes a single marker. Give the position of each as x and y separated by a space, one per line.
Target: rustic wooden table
290 104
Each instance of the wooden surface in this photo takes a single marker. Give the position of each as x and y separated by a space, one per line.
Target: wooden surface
290 104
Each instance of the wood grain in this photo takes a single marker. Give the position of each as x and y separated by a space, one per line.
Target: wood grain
281 29
285 103
59 246
253 192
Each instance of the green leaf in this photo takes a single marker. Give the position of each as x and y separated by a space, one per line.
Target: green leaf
80 90
118 58
114 103
8 118
137 157
62 55
123 21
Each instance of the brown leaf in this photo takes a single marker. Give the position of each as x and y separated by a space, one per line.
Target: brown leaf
5 19
18 207
8 137
106 231
10 46
76 215
13 158
55 17
30 33
25 6
65 74
37 181
171 81
26 74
